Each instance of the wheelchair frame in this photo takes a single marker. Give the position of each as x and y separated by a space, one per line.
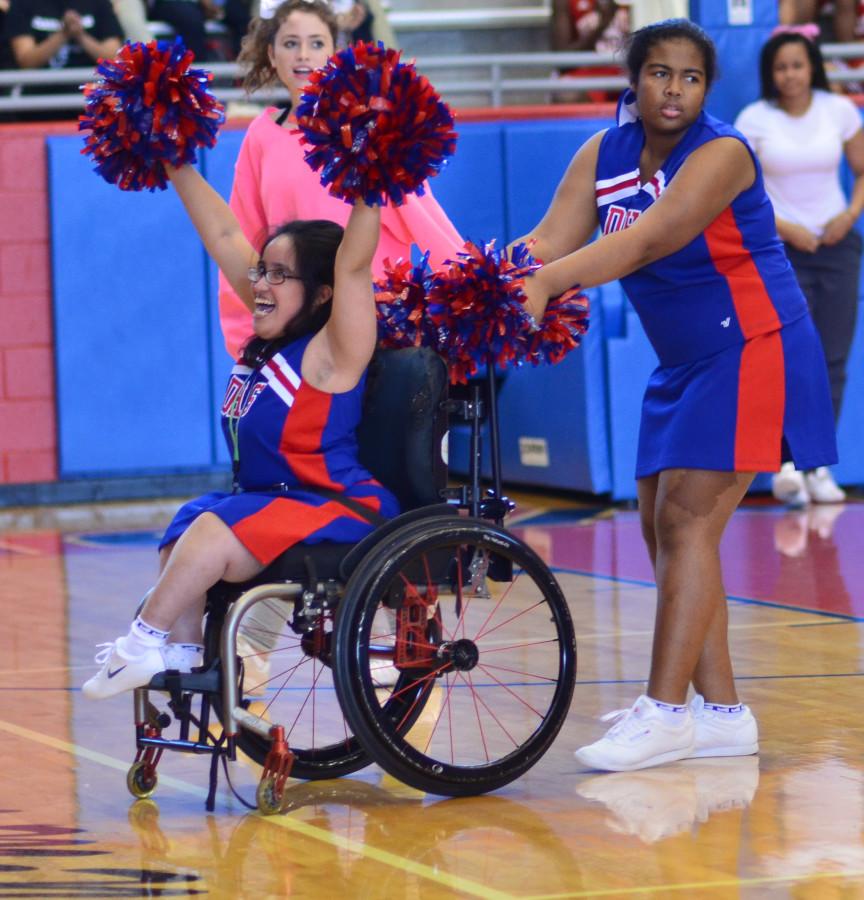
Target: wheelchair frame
219 682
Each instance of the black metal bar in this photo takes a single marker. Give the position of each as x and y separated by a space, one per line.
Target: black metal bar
476 461
494 440
185 746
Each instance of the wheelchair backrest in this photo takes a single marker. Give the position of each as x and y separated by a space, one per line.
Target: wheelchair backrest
404 424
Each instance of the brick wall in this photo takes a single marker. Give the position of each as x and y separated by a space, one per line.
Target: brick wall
28 437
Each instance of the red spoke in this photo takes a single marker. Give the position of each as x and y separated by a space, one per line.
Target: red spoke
426 687
477 711
426 677
520 672
511 691
435 726
288 673
459 600
310 692
497 720
494 609
511 619
281 649
519 646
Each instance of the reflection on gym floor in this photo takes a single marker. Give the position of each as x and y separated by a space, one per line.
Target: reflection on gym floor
786 824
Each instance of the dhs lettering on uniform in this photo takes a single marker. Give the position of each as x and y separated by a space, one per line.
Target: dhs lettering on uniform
618 218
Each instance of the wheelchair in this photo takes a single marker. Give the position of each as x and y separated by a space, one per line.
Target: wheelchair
439 647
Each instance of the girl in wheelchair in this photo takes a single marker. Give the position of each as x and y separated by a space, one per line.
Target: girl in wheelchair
289 416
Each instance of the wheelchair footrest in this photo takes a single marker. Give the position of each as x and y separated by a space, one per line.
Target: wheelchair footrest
197 682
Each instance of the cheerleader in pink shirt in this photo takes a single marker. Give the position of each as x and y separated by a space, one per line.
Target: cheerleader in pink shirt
272 183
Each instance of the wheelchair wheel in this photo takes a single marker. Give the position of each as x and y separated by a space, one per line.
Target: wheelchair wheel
286 679
479 631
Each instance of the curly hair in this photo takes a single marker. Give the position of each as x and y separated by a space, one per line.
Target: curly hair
262 33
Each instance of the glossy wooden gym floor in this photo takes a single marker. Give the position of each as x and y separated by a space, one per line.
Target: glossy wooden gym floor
786 824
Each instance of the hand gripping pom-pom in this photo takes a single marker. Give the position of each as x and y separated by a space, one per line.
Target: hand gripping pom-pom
561 328
477 306
400 296
376 129
148 108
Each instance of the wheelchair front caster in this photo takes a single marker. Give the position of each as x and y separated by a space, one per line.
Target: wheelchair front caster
268 796
141 779
277 769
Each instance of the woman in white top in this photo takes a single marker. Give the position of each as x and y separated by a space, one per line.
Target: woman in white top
801 131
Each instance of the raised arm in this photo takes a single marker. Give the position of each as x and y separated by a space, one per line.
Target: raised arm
340 352
218 229
572 216
703 187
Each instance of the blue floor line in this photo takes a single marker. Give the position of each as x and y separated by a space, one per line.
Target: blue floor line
750 601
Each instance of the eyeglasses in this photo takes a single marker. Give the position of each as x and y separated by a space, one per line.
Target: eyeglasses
273 276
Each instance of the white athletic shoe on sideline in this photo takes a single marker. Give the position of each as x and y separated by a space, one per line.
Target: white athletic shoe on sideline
121 671
822 487
722 734
789 487
641 737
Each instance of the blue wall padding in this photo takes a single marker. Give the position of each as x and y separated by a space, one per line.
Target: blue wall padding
218 168
141 365
738 49
553 422
850 429
471 185
536 156
130 325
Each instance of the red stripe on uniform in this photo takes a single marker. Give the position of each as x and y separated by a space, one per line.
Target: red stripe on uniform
755 311
302 435
286 522
618 186
761 404
280 375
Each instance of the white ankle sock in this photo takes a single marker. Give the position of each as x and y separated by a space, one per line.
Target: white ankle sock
672 713
182 657
142 637
725 710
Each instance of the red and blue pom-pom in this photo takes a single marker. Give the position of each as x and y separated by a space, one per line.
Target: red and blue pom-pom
375 127
561 328
478 302
400 297
148 108
473 312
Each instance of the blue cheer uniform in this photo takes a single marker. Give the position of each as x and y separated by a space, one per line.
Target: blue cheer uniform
741 369
289 436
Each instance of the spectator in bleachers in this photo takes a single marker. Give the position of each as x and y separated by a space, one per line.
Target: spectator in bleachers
6 60
580 25
188 18
354 20
60 34
801 131
132 15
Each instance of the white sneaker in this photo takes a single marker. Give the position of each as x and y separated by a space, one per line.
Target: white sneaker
822 487
788 486
721 734
121 671
640 738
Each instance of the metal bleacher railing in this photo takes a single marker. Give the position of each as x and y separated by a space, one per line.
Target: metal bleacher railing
487 75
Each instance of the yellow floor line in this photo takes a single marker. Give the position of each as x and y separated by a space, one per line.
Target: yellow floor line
453 882
696 886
